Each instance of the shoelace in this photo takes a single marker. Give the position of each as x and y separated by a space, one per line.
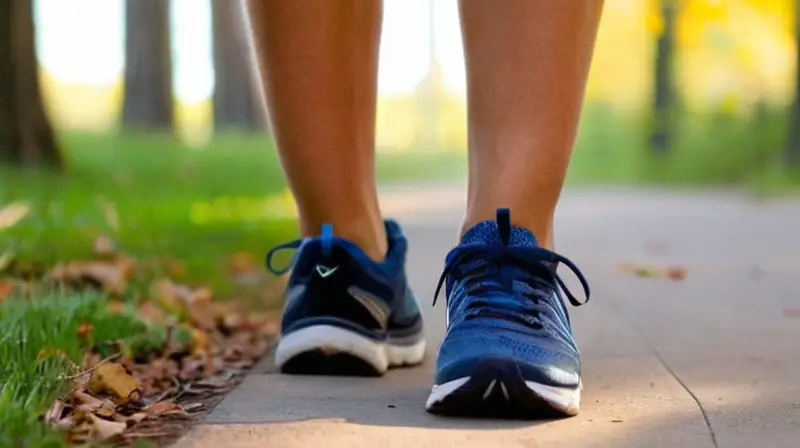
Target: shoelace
479 263
326 238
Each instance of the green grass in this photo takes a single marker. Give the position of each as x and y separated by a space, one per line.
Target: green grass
199 205
158 199
38 342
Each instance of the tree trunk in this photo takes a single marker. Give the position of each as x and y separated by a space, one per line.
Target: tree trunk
148 101
664 86
237 99
27 139
792 150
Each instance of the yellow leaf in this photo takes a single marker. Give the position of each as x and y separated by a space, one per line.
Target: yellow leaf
112 379
13 213
201 343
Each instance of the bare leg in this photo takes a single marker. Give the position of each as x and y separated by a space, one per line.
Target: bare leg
527 62
318 61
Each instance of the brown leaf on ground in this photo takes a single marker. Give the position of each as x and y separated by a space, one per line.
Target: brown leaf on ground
104 246
673 273
89 403
120 398
201 314
676 273
6 288
111 276
150 313
111 378
161 407
100 430
55 412
194 303
266 323
793 313
201 342
242 263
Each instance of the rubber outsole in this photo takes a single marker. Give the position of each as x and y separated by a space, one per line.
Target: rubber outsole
334 351
497 389
322 362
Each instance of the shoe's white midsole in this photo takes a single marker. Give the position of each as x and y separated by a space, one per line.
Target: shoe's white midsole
566 400
331 339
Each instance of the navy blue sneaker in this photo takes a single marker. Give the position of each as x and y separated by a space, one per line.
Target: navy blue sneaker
345 314
508 351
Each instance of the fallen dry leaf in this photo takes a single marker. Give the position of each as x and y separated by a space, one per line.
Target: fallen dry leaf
102 430
676 273
6 288
150 313
13 213
104 246
242 263
55 412
201 343
110 275
111 378
791 313
195 303
161 407
88 402
673 273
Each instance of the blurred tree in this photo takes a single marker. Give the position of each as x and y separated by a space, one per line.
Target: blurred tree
27 139
148 100
663 86
237 100
792 150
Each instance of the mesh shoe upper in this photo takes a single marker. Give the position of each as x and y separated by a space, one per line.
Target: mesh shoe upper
504 302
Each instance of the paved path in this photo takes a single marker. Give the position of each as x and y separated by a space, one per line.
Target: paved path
708 361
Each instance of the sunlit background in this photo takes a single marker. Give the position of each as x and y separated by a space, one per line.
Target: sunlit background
689 93
128 162
731 57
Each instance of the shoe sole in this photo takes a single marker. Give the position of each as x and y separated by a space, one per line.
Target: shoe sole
497 389
330 350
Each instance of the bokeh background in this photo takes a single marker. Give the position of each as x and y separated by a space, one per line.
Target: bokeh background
138 177
146 111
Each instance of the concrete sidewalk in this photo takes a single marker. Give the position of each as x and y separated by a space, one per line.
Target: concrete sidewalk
707 361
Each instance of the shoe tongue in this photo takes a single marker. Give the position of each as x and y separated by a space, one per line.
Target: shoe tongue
488 232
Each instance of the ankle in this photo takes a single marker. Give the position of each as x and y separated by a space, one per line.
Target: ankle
542 228
368 234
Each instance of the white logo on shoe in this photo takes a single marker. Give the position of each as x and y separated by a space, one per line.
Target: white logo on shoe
325 271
